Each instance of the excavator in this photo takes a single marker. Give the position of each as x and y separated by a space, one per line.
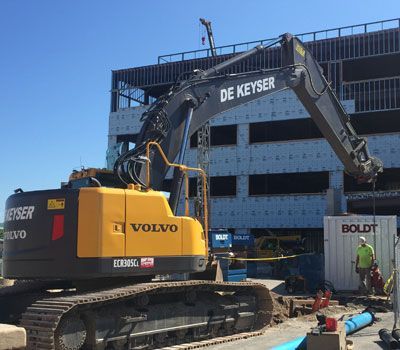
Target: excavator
85 255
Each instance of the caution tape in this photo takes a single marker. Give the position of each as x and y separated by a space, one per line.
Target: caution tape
264 259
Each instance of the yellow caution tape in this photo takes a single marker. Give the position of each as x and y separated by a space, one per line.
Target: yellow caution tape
264 259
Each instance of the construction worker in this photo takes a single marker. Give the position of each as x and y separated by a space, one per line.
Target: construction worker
364 262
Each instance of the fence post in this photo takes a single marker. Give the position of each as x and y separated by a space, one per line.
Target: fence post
396 286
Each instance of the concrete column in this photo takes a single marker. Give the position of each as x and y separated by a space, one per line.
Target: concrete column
336 179
336 201
243 135
242 186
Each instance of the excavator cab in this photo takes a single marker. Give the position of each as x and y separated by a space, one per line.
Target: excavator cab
92 177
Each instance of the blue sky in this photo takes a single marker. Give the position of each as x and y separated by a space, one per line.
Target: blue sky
56 59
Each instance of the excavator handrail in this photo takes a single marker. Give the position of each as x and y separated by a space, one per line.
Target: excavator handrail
185 169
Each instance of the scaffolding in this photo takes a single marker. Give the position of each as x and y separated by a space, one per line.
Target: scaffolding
203 160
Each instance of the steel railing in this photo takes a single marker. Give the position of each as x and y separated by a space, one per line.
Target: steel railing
373 95
305 37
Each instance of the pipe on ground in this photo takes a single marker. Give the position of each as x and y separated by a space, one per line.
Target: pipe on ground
352 325
295 344
387 338
355 323
396 334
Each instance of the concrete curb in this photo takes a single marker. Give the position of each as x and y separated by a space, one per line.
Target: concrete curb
12 337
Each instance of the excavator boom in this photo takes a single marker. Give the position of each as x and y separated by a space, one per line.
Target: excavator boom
191 103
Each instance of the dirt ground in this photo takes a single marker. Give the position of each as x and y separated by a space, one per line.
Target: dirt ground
366 338
284 329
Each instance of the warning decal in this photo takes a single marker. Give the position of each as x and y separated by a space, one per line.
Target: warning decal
56 204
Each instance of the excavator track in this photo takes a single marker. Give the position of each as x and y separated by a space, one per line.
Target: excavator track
148 315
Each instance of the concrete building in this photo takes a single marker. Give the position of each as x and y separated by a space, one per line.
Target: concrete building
270 167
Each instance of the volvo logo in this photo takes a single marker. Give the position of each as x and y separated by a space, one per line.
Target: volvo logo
11 235
154 227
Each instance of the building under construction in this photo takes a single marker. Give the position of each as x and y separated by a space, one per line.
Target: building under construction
270 168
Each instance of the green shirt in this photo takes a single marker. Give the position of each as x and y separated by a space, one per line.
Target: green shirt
365 254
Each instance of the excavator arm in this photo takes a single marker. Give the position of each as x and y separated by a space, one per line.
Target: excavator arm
312 89
174 117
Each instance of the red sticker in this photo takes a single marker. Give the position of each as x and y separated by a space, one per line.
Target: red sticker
146 263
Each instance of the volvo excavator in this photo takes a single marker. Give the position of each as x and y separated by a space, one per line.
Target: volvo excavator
86 254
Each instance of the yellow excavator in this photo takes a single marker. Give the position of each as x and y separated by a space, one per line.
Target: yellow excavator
85 255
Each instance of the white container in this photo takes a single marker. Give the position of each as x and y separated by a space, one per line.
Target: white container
341 234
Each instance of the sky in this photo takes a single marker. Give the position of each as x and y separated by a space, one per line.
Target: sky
56 59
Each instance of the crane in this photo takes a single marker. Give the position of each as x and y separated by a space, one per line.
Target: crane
204 132
207 25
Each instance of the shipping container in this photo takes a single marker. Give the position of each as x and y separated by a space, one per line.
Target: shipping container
341 235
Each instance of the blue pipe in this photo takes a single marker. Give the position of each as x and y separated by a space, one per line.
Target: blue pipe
295 344
352 325
355 323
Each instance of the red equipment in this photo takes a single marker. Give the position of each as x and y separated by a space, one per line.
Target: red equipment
317 303
331 324
377 281
326 299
